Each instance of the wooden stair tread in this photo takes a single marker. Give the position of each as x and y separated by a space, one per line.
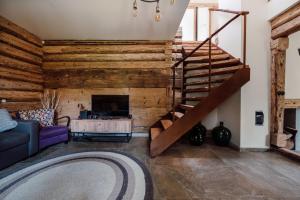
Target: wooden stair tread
194 98
178 115
195 90
216 64
204 82
190 48
155 132
215 72
166 123
203 52
201 59
186 107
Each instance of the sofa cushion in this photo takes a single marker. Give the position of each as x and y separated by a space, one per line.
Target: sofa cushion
52 131
6 122
12 139
44 116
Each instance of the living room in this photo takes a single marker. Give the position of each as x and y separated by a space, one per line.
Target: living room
149 99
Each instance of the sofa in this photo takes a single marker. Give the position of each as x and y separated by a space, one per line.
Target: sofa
19 143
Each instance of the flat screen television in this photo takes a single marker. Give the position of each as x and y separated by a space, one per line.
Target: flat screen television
110 105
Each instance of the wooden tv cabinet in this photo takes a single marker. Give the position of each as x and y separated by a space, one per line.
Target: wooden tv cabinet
102 129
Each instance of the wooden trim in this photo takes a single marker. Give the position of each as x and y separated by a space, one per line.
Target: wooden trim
292 103
287 16
286 29
283 25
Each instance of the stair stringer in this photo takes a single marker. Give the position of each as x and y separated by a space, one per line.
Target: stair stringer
199 112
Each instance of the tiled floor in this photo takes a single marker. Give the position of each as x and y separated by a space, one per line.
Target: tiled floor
207 172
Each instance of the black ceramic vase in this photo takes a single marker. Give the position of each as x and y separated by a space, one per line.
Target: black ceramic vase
221 135
197 135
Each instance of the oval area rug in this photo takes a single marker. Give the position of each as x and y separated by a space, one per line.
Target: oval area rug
80 176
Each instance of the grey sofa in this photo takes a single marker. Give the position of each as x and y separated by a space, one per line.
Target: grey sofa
19 143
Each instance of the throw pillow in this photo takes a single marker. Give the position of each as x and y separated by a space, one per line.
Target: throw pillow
6 122
44 116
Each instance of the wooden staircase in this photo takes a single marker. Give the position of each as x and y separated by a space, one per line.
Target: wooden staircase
209 77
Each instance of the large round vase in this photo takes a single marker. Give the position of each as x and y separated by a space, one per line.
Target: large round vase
197 135
221 135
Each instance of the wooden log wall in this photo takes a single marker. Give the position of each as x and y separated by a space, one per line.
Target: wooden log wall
140 69
21 79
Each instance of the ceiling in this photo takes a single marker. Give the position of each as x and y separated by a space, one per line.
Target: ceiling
94 19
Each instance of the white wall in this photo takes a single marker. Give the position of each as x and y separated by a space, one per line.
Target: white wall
211 120
255 95
187 24
292 79
230 113
230 38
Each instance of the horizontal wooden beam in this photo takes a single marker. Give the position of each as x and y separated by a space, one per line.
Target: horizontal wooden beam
21 44
292 103
104 57
17 106
107 65
19 96
287 28
107 78
8 84
10 51
103 42
6 61
288 15
104 49
14 74
18 31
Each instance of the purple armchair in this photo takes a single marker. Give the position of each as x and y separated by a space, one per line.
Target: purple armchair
54 134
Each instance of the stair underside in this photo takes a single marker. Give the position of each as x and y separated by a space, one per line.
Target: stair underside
195 114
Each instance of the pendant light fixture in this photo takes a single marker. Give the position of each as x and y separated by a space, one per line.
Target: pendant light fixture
157 9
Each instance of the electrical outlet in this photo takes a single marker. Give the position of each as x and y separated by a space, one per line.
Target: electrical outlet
3 100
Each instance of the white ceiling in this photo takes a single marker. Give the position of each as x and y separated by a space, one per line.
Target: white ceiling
94 19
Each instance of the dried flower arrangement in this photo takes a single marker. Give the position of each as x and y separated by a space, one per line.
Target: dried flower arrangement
50 99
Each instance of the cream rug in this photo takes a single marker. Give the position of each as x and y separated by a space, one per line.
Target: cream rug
80 176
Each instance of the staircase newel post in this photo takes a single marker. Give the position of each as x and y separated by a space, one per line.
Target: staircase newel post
245 41
173 88
209 70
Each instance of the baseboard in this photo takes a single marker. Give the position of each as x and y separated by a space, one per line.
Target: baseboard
254 149
234 146
143 134
247 149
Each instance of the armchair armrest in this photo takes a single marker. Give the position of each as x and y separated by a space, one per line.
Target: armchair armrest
64 117
31 128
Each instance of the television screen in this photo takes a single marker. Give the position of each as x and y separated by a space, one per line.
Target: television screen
110 105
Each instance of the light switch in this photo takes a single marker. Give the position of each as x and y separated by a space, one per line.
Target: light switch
259 118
